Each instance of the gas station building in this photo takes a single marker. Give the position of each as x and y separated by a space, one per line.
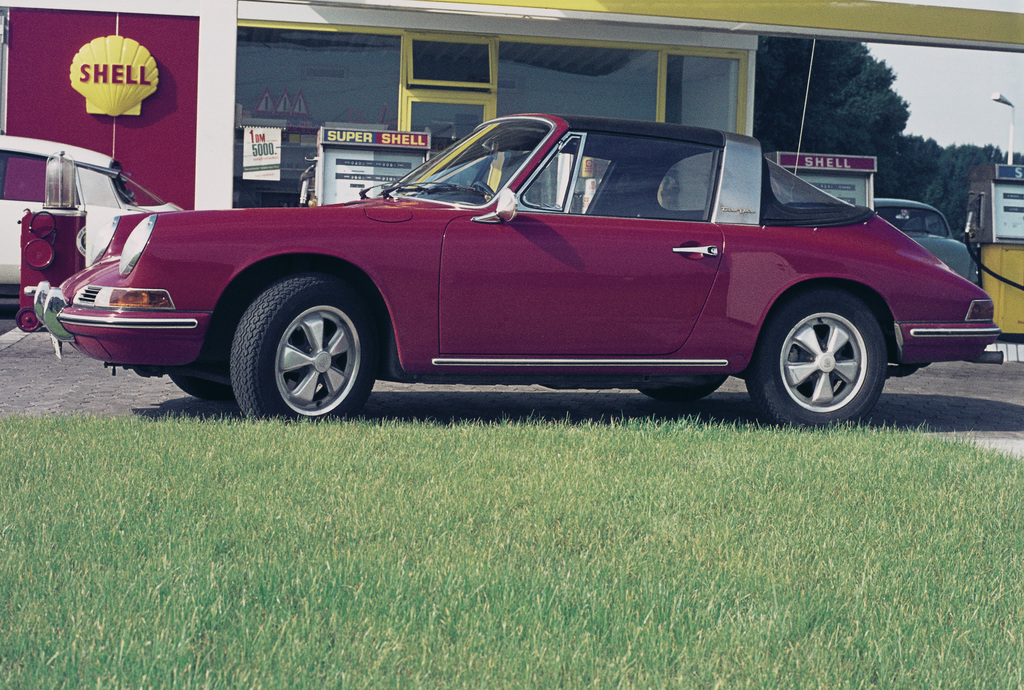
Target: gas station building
200 84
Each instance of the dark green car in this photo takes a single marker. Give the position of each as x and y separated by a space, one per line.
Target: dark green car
928 227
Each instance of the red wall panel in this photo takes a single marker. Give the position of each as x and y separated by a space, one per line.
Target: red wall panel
157 147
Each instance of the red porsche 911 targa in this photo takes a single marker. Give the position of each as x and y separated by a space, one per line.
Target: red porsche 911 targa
571 252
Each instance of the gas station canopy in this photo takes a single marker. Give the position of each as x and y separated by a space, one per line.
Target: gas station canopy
939 23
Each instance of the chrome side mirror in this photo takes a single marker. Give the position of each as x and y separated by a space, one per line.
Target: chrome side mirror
505 206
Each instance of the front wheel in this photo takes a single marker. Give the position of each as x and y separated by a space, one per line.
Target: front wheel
821 360
304 348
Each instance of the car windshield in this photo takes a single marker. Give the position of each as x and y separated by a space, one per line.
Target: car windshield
100 185
136 193
473 169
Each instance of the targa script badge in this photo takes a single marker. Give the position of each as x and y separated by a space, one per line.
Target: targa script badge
115 74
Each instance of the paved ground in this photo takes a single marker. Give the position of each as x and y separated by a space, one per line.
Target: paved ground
979 401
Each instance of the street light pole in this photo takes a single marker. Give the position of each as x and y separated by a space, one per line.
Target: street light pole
1000 98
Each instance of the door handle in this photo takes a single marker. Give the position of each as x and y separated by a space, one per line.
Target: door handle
709 250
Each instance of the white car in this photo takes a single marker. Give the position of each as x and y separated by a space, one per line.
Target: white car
104 191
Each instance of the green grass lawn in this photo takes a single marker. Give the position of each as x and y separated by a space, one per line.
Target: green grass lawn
240 554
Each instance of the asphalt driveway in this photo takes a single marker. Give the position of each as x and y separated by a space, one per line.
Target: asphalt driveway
981 401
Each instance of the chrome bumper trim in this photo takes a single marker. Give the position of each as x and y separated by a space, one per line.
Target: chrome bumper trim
47 304
117 321
984 332
522 362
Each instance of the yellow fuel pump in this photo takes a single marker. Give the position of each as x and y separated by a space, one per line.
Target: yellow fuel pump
995 222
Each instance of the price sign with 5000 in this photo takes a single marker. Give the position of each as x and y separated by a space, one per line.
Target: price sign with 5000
262 155
260 146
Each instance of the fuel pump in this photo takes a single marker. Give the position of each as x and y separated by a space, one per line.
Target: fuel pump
995 222
350 162
50 238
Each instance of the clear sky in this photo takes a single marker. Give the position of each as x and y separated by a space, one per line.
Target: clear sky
950 93
950 90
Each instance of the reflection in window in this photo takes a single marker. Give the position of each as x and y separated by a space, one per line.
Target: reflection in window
685 186
446 122
632 177
539 78
702 91
478 166
467 63
550 189
301 80
23 178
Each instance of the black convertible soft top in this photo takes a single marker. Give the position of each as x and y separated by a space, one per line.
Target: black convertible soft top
786 200
663 130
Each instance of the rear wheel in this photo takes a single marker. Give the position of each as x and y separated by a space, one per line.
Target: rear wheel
304 348
821 360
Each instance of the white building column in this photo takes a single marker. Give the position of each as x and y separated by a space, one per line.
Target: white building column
215 111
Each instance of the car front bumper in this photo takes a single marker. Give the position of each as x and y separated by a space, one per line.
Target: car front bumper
120 336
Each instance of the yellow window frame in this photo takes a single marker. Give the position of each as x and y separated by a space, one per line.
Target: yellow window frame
663 51
742 77
489 102
486 94
409 79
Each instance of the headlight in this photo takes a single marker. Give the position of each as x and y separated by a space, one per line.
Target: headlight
135 243
123 298
98 239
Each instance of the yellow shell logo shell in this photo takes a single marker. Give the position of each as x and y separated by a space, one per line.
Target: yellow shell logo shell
115 74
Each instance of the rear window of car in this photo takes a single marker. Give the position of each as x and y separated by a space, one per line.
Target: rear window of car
22 178
915 221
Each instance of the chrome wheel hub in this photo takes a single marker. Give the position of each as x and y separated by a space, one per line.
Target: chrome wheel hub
317 359
823 362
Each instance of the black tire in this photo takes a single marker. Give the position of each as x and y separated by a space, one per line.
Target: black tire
305 347
685 394
204 389
821 360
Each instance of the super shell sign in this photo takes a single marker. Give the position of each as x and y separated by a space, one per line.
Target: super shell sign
115 74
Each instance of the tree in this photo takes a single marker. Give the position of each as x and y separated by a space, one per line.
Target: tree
948 189
851 105
852 108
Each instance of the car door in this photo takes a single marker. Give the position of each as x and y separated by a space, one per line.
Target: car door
606 256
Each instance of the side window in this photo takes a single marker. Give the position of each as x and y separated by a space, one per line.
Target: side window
645 177
592 174
687 186
914 221
549 189
24 177
933 225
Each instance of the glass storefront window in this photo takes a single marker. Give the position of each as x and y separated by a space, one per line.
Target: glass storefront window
446 122
301 80
582 80
297 80
442 61
702 91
